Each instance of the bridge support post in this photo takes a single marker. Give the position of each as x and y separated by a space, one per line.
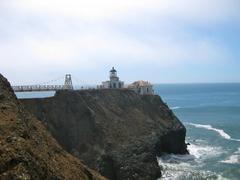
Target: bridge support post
68 82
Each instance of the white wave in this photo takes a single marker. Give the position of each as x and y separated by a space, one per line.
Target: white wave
175 107
201 152
233 159
219 131
235 139
179 167
209 127
188 167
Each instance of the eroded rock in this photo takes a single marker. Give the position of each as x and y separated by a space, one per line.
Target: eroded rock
117 132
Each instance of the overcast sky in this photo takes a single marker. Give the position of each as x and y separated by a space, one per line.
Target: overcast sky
163 41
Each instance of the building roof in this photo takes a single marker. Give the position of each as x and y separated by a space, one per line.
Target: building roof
140 83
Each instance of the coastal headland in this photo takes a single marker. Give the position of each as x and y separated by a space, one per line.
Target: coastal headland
115 131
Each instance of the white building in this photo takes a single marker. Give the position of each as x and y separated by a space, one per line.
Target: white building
114 82
142 87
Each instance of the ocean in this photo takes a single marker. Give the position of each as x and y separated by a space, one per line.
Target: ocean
211 115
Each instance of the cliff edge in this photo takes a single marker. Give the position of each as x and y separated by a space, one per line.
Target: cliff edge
117 132
27 150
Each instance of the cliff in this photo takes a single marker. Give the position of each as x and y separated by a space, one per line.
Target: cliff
116 132
27 150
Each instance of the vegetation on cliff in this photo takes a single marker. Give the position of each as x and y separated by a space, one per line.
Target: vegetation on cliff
27 150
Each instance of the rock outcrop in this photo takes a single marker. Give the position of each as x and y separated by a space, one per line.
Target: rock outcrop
116 132
28 151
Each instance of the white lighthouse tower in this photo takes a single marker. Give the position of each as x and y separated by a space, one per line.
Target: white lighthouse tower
114 82
113 74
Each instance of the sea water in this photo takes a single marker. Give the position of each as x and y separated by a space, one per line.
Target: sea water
211 115
40 94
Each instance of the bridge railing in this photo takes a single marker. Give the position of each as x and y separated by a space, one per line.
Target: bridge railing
38 88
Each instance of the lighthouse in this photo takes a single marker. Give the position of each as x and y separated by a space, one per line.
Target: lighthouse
114 82
113 74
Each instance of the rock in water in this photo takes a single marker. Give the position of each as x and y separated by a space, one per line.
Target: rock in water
27 150
116 132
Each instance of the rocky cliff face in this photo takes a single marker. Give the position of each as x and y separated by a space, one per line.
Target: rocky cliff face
116 132
27 150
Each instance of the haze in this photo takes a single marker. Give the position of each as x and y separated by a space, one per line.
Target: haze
177 41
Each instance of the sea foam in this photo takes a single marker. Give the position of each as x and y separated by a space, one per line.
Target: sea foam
209 127
179 167
201 152
188 167
233 159
176 107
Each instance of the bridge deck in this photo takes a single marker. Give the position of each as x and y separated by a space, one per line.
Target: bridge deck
40 88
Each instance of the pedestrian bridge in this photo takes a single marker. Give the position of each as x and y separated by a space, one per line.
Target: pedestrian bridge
38 88
28 88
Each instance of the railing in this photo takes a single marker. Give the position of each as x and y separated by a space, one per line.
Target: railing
40 88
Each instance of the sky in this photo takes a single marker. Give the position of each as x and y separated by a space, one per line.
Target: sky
162 41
